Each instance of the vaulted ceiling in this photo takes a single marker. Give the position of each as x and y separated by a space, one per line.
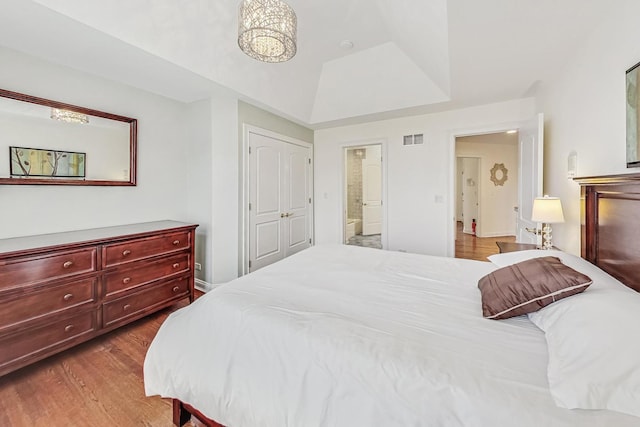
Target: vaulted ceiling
408 56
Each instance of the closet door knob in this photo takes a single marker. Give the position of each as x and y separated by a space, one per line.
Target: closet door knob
281 215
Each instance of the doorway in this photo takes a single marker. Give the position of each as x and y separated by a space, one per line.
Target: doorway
530 136
363 203
485 202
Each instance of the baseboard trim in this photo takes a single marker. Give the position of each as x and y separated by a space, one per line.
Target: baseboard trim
203 286
498 234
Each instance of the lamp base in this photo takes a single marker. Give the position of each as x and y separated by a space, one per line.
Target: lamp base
546 237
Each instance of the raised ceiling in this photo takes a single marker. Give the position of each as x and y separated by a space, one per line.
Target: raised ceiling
409 56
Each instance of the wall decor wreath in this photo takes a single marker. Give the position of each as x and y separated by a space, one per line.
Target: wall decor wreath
499 174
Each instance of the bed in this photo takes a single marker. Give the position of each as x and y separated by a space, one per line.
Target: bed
347 336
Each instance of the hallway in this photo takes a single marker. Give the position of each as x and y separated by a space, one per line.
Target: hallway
478 248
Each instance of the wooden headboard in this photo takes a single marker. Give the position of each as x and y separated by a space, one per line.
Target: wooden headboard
611 225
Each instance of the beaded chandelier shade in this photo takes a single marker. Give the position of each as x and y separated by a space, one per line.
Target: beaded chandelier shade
267 30
69 116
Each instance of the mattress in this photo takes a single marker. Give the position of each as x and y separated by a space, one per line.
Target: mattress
348 336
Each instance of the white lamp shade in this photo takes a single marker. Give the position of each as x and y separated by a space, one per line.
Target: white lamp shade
547 209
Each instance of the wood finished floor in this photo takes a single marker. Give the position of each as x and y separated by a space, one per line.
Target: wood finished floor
478 248
98 383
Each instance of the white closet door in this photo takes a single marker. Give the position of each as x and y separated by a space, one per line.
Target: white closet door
297 219
266 163
279 197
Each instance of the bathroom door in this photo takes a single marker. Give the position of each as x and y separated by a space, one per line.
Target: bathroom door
372 192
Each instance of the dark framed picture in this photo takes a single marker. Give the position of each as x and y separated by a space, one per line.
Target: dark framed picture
633 143
37 162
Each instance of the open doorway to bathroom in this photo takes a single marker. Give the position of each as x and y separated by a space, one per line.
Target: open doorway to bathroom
363 196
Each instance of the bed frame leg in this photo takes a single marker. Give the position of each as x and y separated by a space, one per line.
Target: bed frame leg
180 415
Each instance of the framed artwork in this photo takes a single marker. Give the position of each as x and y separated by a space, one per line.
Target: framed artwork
37 162
633 140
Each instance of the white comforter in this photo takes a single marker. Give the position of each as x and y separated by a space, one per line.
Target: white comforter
346 336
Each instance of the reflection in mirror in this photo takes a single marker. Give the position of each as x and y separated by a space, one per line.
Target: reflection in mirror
47 142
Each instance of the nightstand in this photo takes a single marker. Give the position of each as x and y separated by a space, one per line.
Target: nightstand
514 247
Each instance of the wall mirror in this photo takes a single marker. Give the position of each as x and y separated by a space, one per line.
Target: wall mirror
53 143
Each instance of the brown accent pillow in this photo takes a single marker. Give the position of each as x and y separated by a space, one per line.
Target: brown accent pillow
528 286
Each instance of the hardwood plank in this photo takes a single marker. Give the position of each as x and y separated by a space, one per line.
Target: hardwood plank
98 383
469 246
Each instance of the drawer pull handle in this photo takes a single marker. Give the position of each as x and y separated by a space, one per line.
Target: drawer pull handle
68 328
126 280
126 252
67 264
176 265
67 297
126 307
176 288
176 242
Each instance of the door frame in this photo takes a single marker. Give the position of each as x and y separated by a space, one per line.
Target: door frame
343 184
480 160
247 129
456 133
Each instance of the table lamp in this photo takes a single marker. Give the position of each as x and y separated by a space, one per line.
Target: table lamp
547 210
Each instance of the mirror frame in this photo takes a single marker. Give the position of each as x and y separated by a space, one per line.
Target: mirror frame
133 143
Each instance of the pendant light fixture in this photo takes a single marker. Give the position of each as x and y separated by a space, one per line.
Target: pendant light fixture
267 30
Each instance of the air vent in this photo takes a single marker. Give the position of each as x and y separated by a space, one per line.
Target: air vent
417 139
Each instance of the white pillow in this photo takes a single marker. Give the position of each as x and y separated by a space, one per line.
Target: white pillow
593 341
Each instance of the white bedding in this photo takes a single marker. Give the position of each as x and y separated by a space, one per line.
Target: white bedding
348 336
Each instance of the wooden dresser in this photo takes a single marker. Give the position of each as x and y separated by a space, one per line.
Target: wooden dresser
58 290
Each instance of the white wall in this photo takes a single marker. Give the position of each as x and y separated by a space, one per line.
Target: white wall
420 181
585 111
496 215
162 157
199 169
225 188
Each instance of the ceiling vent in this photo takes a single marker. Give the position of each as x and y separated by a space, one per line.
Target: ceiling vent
417 139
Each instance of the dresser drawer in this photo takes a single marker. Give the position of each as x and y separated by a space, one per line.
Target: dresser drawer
139 302
46 301
29 270
143 272
143 248
31 342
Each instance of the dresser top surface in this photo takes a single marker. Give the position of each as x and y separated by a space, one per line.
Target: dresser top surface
16 245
